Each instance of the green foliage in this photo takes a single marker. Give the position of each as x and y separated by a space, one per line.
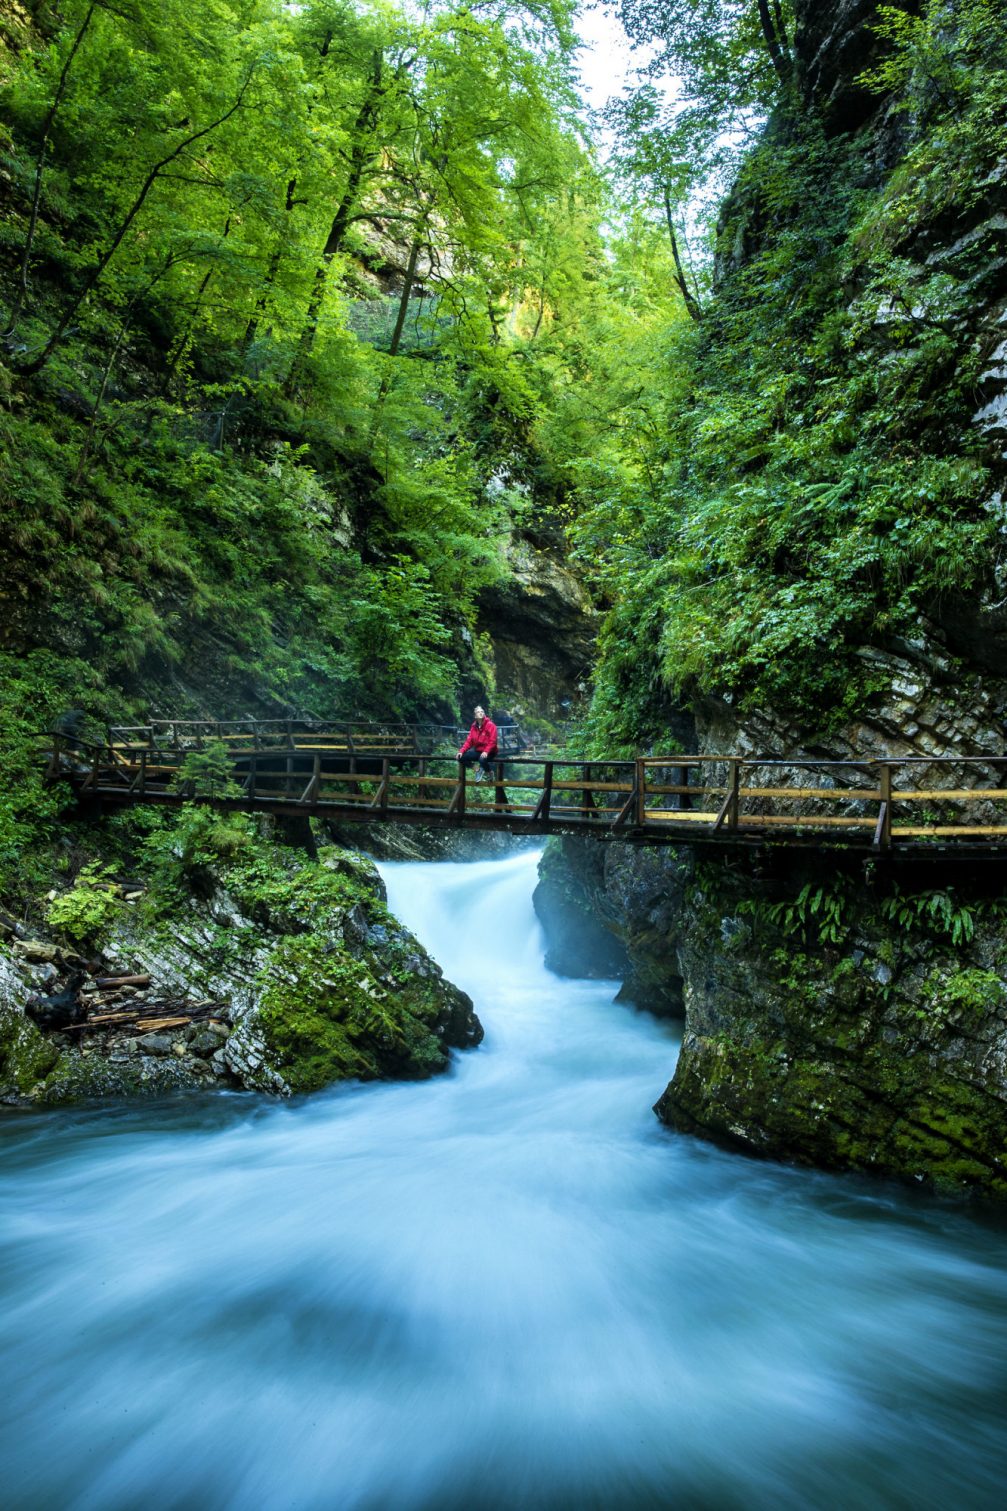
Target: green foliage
222 470
209 772
34 690
816 911
182 855
86 913
971 992
818 483
938 912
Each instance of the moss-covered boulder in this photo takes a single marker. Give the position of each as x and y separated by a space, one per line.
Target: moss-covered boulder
296 971
321 982
841 1023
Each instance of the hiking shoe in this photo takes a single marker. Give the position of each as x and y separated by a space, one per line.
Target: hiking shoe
479 773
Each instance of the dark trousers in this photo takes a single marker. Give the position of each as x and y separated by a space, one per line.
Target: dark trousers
475 757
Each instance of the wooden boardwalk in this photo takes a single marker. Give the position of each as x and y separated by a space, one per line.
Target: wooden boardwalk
380 773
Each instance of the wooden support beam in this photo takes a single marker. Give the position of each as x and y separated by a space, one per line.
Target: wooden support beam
381 796
729 808
456 807
628 808
310 793
541 814
883 831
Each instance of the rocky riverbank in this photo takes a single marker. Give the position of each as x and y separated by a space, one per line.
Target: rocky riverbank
273 975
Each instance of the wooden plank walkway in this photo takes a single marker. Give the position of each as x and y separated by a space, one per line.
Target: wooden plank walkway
352 773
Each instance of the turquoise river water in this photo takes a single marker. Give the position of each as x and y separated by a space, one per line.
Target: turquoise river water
506 1288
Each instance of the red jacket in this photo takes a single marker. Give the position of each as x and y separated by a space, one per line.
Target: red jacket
484 740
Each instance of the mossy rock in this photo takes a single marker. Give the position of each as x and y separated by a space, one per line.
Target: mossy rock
327 1017
26 1055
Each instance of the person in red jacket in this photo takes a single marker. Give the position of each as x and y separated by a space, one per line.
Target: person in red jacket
481 744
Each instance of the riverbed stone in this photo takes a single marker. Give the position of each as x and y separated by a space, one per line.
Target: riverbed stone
155 1044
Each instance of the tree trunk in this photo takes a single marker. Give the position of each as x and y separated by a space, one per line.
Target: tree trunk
21 297
183 341
691 302
360 155
407 289
776 41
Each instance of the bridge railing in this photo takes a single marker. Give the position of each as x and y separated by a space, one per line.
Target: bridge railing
913 798
871 803
347 736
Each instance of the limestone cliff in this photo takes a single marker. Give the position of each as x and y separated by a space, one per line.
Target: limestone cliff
540 624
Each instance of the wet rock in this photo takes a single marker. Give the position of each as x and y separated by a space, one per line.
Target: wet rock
25 1054
569 902
36 951
616 910
155 1044
542 626
883 1050
206 1038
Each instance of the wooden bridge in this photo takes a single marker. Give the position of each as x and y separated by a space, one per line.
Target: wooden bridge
410 774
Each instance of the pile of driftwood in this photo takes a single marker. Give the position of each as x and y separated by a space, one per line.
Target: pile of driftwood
129 1002
92 999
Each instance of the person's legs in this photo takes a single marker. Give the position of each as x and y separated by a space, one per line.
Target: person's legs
473 758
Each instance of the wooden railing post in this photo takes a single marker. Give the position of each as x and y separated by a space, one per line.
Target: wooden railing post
541 814
252 773
883 831
641 793
729 807
143 771
385 777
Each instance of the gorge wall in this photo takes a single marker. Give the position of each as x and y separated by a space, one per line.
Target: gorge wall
843 1014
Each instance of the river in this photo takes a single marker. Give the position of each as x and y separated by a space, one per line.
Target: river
506 1288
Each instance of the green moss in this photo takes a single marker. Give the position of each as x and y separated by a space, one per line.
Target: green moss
327 1018
25 1055
883 1110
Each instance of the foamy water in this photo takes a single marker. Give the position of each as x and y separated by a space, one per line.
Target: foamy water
509 1287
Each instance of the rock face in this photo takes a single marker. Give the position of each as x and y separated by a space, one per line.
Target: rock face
884 1049
833 45
615 910
315 982
582 939
541 625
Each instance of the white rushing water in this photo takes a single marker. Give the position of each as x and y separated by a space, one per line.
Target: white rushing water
508 1287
